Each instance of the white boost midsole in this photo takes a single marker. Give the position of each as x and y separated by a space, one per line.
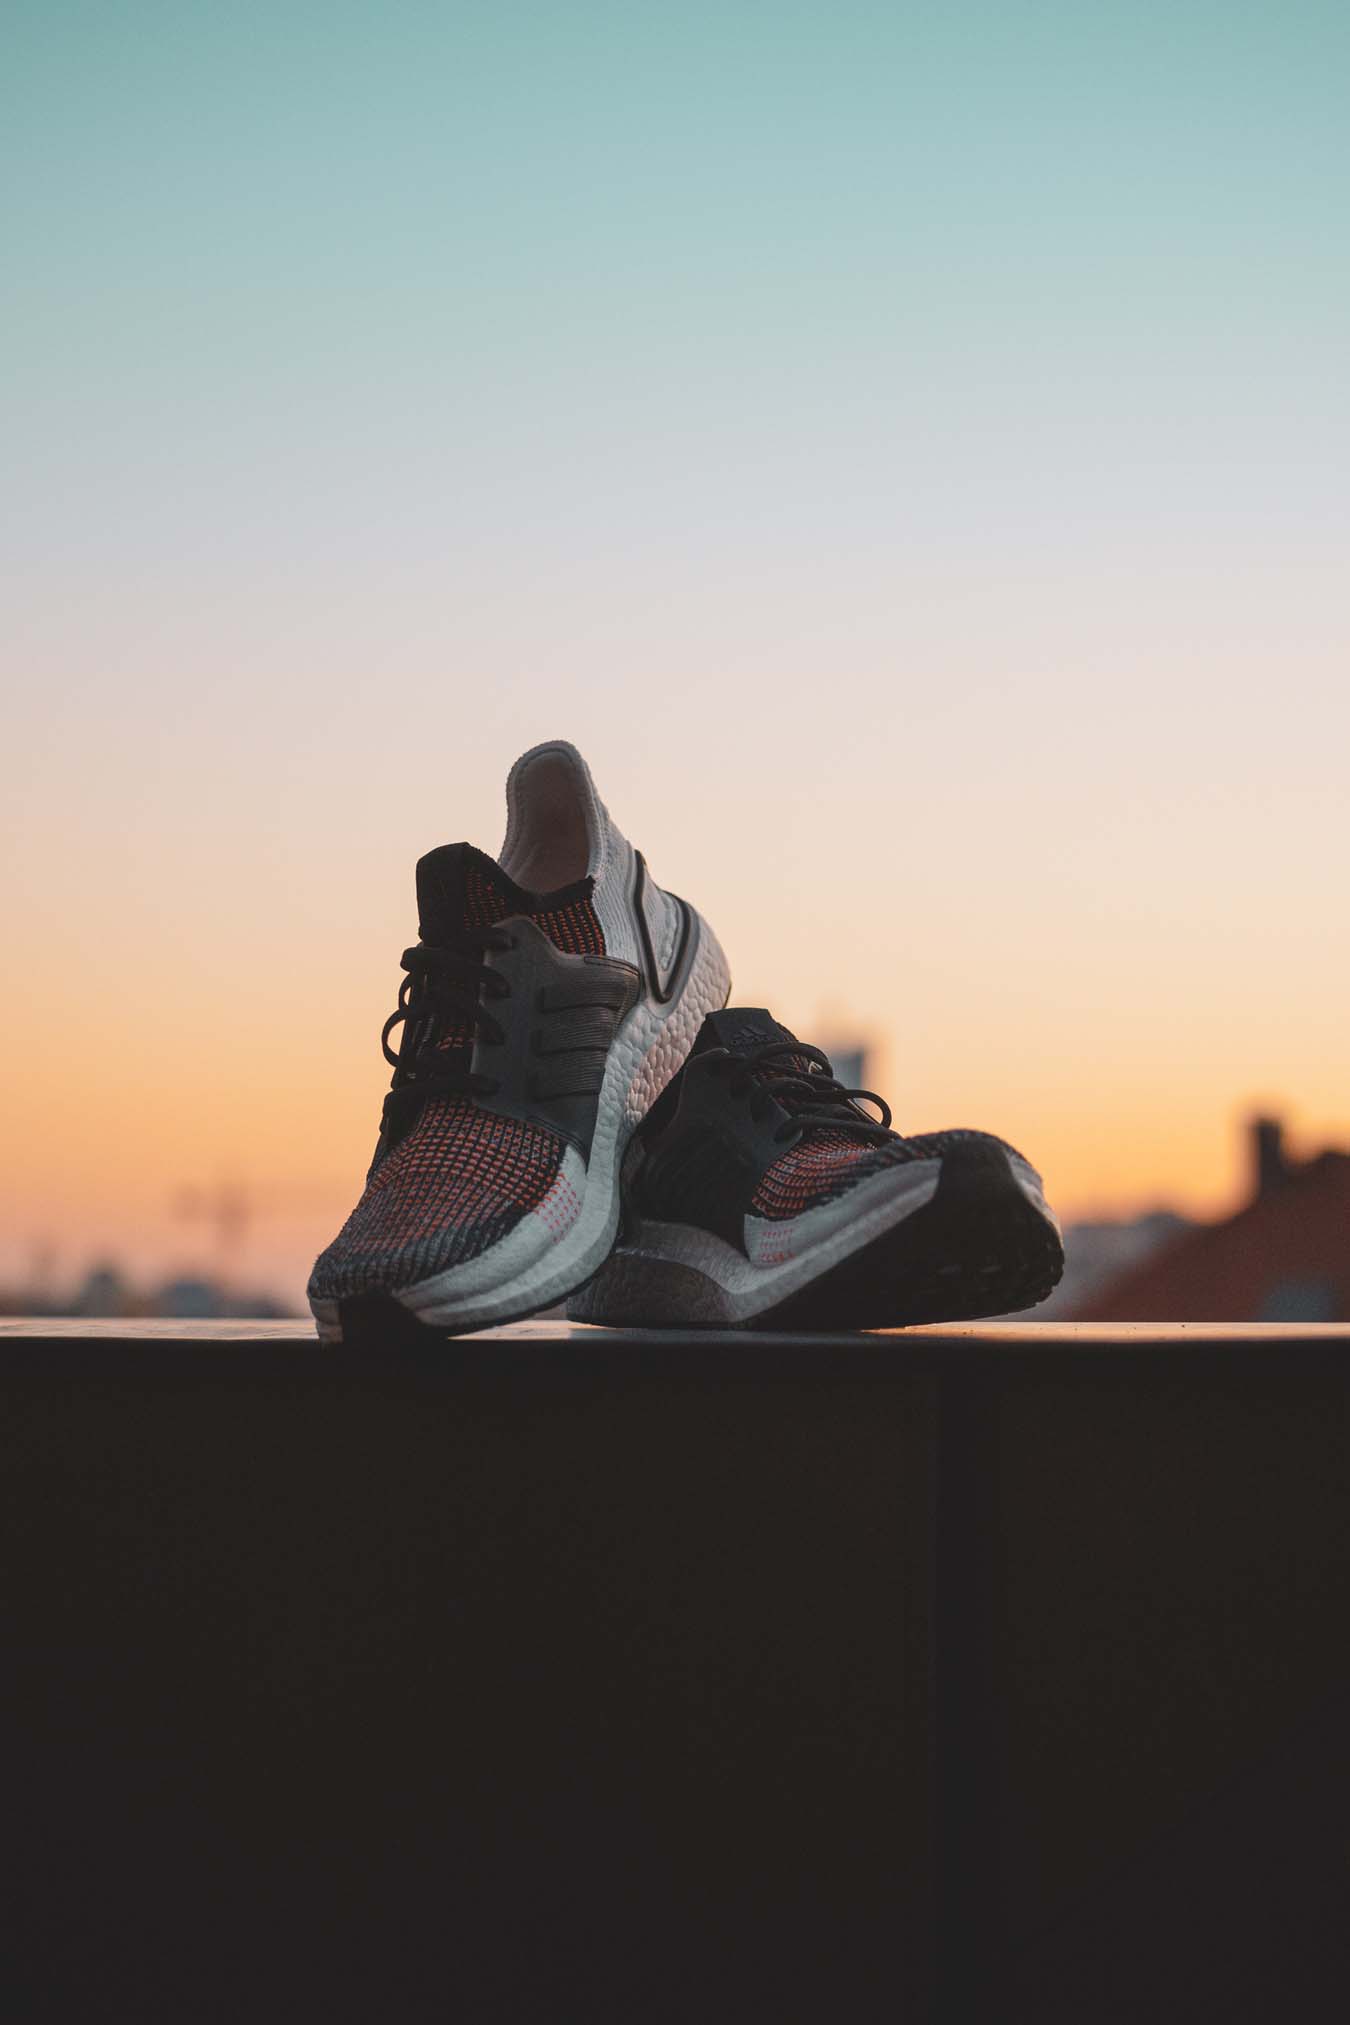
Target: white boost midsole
749 1284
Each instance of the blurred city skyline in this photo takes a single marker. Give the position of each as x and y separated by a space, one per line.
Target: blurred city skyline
908 455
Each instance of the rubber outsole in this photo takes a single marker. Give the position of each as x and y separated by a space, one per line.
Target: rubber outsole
380 1322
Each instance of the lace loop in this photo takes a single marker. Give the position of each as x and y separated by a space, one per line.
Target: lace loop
441 1010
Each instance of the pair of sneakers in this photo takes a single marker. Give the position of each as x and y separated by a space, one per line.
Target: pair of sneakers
576 1114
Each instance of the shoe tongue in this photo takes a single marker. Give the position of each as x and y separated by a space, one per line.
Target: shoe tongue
740 1030
459 888
743 1029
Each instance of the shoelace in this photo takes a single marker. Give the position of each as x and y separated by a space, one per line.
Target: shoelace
442 1015
813 1096
442 990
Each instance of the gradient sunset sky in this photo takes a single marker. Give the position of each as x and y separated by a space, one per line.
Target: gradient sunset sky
906 449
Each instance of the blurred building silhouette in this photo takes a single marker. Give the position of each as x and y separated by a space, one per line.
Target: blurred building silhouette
107 1292
1098 1253
849 1063
1284 1257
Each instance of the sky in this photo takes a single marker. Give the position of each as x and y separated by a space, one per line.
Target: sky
907 450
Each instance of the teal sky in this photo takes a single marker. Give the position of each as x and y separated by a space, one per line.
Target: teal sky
910 440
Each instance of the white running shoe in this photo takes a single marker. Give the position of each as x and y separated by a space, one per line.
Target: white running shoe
553 994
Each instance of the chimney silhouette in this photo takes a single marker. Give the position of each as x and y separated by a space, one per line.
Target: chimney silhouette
1270 1168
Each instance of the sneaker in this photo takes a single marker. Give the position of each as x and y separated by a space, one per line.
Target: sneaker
553 994
759 1193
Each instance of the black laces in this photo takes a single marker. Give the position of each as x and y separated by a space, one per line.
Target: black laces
801 1081
441 1012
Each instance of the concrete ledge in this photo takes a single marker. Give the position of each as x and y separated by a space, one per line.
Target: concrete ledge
565 1674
